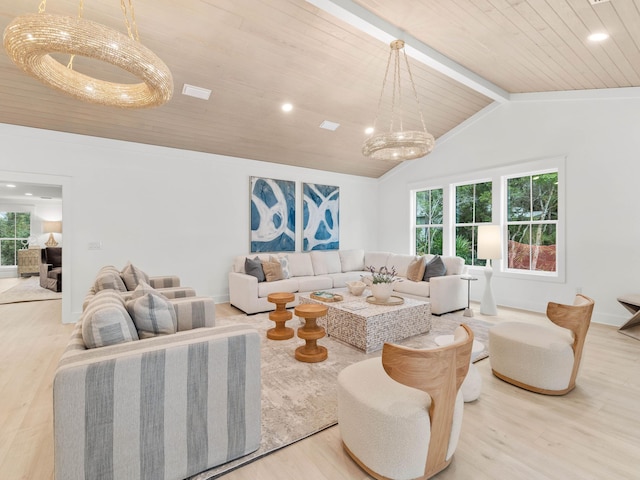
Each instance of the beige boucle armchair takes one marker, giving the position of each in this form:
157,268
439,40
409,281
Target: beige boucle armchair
542,358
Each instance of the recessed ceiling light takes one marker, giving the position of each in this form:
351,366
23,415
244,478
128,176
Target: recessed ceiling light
10,185
287,107
368,130
598,37
197,92
327,125
28,194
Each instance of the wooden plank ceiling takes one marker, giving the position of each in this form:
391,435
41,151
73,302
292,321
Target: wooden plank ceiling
257,54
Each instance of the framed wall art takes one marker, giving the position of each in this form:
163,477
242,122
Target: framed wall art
321,217
273,215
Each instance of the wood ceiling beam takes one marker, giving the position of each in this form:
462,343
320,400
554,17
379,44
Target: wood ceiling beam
367,22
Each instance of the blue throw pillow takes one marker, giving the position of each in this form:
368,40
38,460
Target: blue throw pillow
435,268
254,268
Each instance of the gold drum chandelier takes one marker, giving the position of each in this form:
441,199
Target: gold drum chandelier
31,39
398,144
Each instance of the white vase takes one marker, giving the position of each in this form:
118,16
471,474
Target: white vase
382,291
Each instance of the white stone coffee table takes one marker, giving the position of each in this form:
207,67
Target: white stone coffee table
367,326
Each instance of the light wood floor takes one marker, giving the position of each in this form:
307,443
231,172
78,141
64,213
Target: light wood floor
508,433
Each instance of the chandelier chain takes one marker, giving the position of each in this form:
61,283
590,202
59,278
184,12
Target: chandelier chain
415,92
132,27
384,82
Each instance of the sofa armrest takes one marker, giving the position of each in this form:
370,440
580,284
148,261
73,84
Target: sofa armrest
165,407
447,293
243,291
165,281
194,312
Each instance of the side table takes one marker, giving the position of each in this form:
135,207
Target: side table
632,303
469,278
280,315
311,332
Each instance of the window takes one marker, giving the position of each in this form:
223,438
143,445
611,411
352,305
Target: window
15,229
473,207
532,220
428,218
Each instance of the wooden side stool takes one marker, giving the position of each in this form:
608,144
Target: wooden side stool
280,315
310,332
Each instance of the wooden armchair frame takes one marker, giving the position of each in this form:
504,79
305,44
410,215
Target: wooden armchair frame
439,372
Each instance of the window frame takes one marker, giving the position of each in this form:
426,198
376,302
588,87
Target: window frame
474,224
15,238
414,215
498,177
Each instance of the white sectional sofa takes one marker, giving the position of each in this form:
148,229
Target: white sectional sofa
323,270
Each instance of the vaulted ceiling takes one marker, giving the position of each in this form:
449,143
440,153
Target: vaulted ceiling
327,58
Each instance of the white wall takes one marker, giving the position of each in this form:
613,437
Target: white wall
600,138
168,211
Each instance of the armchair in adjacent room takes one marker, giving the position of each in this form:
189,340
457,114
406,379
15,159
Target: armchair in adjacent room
51,268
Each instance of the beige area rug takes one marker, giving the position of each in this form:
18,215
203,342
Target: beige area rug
300,399
28,290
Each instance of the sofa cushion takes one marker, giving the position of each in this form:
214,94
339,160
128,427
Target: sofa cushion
132,275
106,322
415,270
420,289
352,260
400,262
272,270
325,262
152,313
454,265
284,264
253,267
300,264
289,285
434,268
109,280
375,259
314,282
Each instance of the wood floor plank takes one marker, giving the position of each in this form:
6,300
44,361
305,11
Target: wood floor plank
590,433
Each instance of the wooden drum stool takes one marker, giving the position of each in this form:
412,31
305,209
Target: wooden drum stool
280,316
310,332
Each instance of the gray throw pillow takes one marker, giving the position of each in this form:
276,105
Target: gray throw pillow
254,268
435,268
152,314
106,322
132,276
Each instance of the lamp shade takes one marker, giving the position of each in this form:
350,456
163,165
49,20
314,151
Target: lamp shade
52,227
489,242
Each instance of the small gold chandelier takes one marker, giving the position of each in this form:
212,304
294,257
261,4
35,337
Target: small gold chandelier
399,144
30,39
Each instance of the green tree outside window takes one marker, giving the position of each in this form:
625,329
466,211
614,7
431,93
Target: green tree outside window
532,217
428,216
15,228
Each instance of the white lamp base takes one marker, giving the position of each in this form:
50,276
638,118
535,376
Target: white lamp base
488,304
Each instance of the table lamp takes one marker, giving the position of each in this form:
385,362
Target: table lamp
489,248
51,228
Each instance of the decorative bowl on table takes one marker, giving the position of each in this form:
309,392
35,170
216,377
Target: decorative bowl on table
356,287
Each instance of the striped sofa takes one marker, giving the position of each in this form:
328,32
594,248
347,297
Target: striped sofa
166,407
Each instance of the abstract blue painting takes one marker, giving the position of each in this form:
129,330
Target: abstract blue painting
321,217
273,215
